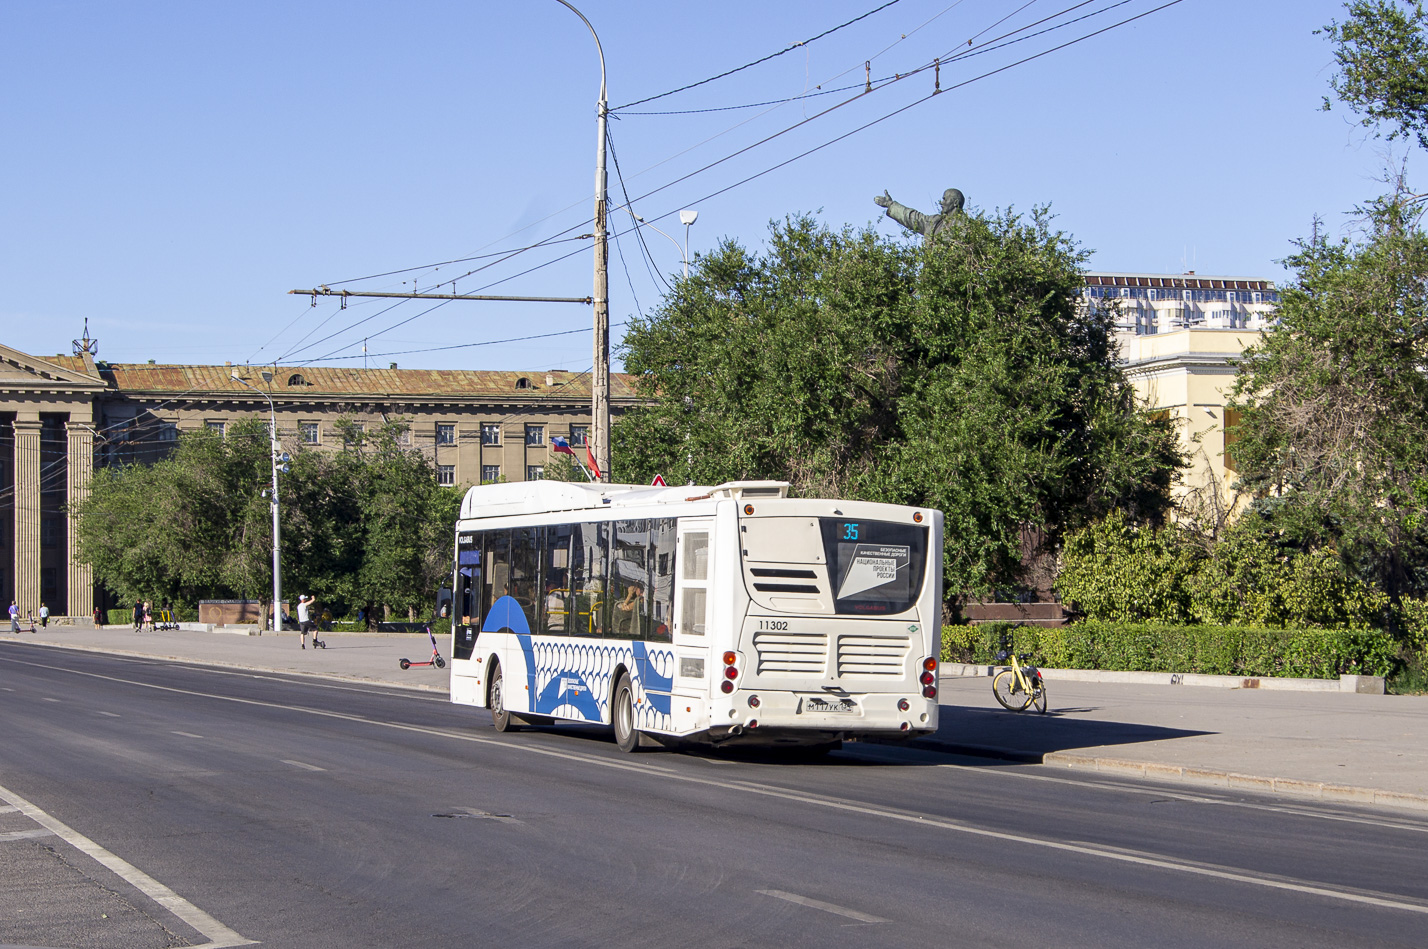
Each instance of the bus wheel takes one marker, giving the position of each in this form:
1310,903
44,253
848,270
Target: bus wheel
499,716
627,737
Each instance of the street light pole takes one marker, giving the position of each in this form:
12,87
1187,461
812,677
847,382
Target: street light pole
683,253
273,452
600,387
687,217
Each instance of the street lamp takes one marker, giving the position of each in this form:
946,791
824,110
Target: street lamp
687,217
274,453
683,251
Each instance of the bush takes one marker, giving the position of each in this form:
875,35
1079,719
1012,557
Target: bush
1211,650
1115,570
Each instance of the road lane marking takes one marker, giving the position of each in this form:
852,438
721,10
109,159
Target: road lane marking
1016,773
111,715
186,734
861,808
826,907
303,765
46,698
26,834
218,935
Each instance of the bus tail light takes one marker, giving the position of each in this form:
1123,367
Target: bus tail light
930,664
726,686
730,672
753,701
730,658
753,723
926,678
929,691
902,705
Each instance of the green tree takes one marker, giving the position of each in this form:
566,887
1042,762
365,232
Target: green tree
1382,52
1333,432
960,375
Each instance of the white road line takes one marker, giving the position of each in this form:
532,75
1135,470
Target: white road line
46,698
304,765
8,809
25,834
110,715
218,935
826,907
861,808
186,734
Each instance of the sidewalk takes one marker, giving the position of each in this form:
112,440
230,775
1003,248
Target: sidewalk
1333,746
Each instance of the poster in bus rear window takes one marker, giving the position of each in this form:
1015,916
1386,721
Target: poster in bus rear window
876,567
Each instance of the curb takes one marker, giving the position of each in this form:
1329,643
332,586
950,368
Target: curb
1211,777
1366,685
1179,774
330,676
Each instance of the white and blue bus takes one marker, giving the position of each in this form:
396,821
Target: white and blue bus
701,614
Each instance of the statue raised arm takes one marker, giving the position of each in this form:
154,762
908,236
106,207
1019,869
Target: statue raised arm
929,226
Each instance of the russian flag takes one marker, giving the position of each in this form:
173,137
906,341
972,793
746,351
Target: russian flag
562,446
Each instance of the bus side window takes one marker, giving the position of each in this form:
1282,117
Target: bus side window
556,604
466,616
497,567
588,556
661,569
629,580
525,570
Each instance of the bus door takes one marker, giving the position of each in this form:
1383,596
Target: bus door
692,605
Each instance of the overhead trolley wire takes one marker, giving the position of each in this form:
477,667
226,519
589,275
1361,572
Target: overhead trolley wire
832,141
756,62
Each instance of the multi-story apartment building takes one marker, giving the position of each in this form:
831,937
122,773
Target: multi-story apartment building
60,416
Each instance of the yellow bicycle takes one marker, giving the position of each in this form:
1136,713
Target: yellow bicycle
1019,687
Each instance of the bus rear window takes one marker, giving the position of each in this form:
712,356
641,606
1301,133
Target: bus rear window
876,567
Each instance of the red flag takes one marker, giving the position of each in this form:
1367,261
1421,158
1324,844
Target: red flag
591,457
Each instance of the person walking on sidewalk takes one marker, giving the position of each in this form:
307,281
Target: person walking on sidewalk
305,624
138,615
44,616
14,617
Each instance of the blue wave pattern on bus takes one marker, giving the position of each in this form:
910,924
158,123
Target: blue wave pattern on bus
577,673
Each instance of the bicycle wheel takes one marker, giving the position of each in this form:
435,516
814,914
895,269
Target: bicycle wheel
1038,695
1009,692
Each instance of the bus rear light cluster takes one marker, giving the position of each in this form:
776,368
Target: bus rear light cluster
731,672
929,677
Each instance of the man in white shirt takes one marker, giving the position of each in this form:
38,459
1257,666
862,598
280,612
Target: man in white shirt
305,623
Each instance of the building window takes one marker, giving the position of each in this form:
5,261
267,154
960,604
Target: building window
446,434
50,532
535,472
404,437
445,474
535,434
490,474
168,432
49,583
579,434
490,433
215,427
308,431
355,433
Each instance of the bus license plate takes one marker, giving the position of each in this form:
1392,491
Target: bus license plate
817,703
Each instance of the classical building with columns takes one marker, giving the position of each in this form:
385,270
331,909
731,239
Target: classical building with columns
60,416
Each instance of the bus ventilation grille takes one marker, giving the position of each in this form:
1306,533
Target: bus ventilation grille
863,655
801,654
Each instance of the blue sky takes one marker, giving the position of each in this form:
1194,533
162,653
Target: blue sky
172,169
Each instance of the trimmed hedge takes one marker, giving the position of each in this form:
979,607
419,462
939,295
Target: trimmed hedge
1210,650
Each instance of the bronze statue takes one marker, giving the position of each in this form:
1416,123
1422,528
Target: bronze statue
929,226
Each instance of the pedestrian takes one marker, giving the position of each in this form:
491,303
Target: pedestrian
148,616
304,620
138,615
44,616
14,617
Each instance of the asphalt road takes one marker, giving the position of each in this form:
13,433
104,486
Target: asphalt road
147,804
